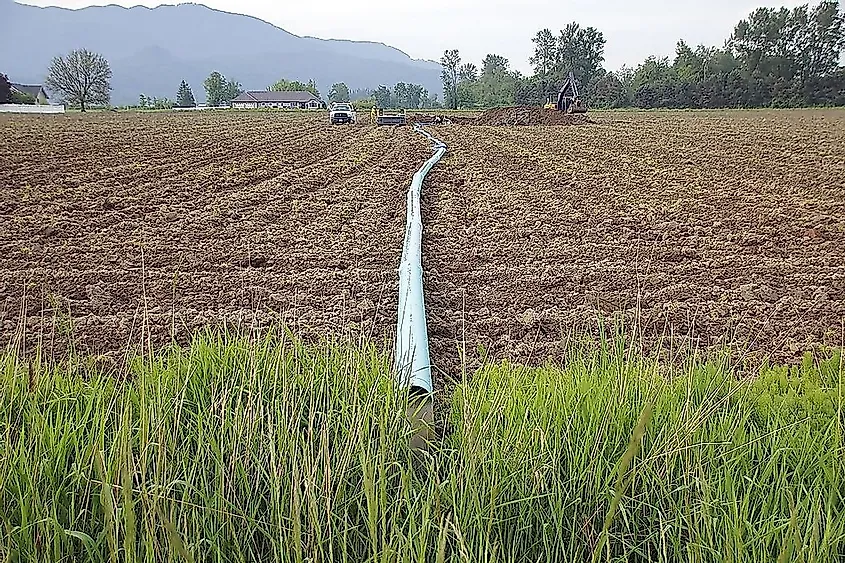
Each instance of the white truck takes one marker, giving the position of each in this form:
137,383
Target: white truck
342,113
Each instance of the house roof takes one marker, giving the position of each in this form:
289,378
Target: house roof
276,97
31,89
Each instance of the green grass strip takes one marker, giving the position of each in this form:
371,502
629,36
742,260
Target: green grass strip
272,450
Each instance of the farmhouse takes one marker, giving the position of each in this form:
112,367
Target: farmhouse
34,90
263,99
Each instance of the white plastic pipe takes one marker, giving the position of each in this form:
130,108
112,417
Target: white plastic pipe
413,365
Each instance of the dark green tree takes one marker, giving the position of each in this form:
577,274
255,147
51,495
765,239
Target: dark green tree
451,62
416,94
496,84
284,85
339,93
545,52
494,65
159,103
383,97
654,83
609,92
185,96
468,73
360,94
232,91
215,89
400,95
581,51
467,95
820,48
468,87
428,101
577,50
782,51
531,91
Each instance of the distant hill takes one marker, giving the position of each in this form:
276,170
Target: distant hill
152,49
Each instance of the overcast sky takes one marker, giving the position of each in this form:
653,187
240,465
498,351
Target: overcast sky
634,29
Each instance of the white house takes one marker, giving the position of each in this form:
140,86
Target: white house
34,90
291,100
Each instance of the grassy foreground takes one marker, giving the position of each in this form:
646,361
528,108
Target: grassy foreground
272,450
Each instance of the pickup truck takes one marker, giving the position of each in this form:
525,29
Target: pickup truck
341,113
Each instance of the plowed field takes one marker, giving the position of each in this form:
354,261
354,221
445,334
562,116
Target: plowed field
695,229
135,229
691,229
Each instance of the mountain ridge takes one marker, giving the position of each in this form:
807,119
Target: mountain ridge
243,47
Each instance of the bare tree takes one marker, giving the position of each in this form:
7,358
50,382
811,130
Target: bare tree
81,78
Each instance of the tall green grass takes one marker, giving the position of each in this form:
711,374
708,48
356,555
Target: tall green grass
237,450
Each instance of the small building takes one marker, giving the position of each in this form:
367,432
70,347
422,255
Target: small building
254,99
34,90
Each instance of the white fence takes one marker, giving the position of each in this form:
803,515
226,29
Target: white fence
25,108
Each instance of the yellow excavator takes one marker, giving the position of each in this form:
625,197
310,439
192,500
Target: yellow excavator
567,99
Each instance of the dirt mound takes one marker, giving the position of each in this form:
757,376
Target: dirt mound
520,115
432,119
426,119
525,115
463,120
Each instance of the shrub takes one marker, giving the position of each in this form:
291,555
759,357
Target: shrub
22,98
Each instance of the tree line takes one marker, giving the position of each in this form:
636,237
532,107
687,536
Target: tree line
401,95
774,57
220,91
83,79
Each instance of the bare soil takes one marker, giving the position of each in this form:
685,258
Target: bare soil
523,115
503,117
137,230
687,230
120,231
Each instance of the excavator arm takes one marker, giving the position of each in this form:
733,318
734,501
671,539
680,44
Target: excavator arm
568,100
